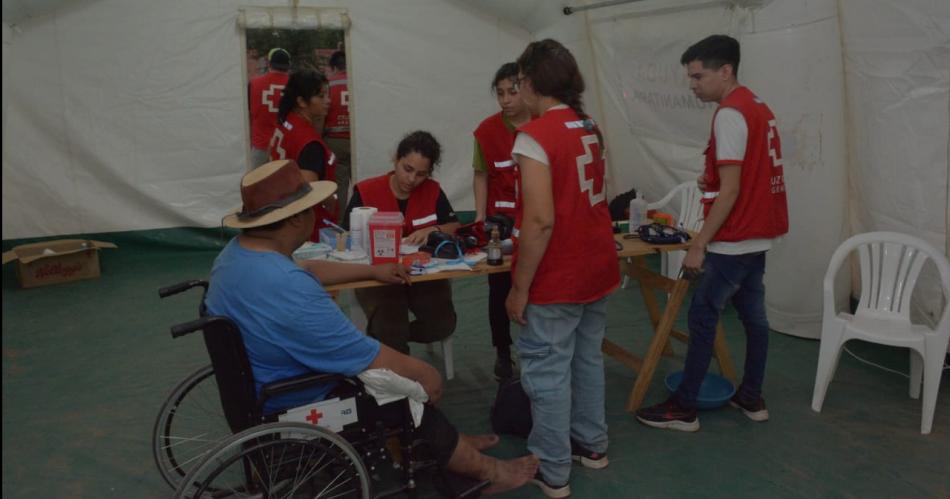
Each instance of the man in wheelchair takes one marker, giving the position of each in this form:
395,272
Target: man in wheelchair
291,326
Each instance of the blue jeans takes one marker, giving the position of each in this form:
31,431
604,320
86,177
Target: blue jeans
725,277
562,371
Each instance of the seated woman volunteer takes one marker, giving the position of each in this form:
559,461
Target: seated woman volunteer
303,106
425,207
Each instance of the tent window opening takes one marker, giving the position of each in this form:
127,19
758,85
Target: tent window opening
279,43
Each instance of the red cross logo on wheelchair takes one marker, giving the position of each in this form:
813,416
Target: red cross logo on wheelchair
314,416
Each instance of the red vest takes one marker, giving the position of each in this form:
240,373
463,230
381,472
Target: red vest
337,124
761,210
421,209
289,139
496,141
580,263
264,97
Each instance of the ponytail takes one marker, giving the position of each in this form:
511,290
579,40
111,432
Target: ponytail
554,73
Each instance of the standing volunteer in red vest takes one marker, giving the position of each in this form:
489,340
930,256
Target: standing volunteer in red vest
745,211
495,193
263,97
564,266
409,189
336,128
304,105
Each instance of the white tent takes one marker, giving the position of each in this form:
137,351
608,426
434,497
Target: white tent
128,115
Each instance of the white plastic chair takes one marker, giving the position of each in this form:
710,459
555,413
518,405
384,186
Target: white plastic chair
890,264
690,217
358,317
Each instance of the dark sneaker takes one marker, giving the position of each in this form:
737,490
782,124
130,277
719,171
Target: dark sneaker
504,369
755,411
587,458
669,415
553,491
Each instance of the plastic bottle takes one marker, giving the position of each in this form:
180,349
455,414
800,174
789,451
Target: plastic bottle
638,213
493,248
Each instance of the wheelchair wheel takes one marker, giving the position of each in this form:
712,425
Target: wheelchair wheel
280,460
190,424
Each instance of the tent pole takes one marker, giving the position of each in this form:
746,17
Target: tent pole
570,10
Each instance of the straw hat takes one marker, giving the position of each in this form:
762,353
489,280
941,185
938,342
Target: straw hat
275,191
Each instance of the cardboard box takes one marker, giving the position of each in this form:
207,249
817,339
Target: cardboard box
53,262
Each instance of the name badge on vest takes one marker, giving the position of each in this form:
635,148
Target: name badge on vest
505,204
500,165
424,220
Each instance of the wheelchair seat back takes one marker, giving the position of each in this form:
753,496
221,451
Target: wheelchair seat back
232,371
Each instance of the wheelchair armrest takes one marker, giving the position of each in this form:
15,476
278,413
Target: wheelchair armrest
174,289
297,383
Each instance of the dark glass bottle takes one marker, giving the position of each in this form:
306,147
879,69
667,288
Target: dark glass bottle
493,248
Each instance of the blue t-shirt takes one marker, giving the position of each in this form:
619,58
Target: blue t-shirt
289,323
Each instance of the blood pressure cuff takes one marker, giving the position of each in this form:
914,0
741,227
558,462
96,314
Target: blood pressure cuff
444,245
662,234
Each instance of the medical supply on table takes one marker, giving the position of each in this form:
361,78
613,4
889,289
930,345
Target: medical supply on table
335,226
494,248
310,250
662,218
359,227
638,212
333,238
385,236
419,257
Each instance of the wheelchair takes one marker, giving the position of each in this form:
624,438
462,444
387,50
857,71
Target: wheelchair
212,439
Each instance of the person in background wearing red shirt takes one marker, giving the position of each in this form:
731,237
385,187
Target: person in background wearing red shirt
336,128
495,193
263,96
410,190
303,106
564,266
745,211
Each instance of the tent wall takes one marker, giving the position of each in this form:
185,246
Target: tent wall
897,68
124,115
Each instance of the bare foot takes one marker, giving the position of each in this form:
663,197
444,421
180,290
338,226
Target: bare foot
513,473
480,442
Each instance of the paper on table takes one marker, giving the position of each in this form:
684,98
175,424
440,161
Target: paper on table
408,249
349,255
439,267
473,258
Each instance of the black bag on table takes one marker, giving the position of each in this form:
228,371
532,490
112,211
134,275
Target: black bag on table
619,206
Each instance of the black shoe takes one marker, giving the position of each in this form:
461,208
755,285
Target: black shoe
588,458
669,415
756,411
504,369
553,491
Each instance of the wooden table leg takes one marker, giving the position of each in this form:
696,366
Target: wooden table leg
637,270
660,338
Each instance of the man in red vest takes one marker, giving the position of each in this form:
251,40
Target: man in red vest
745,212
263,97
336,128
